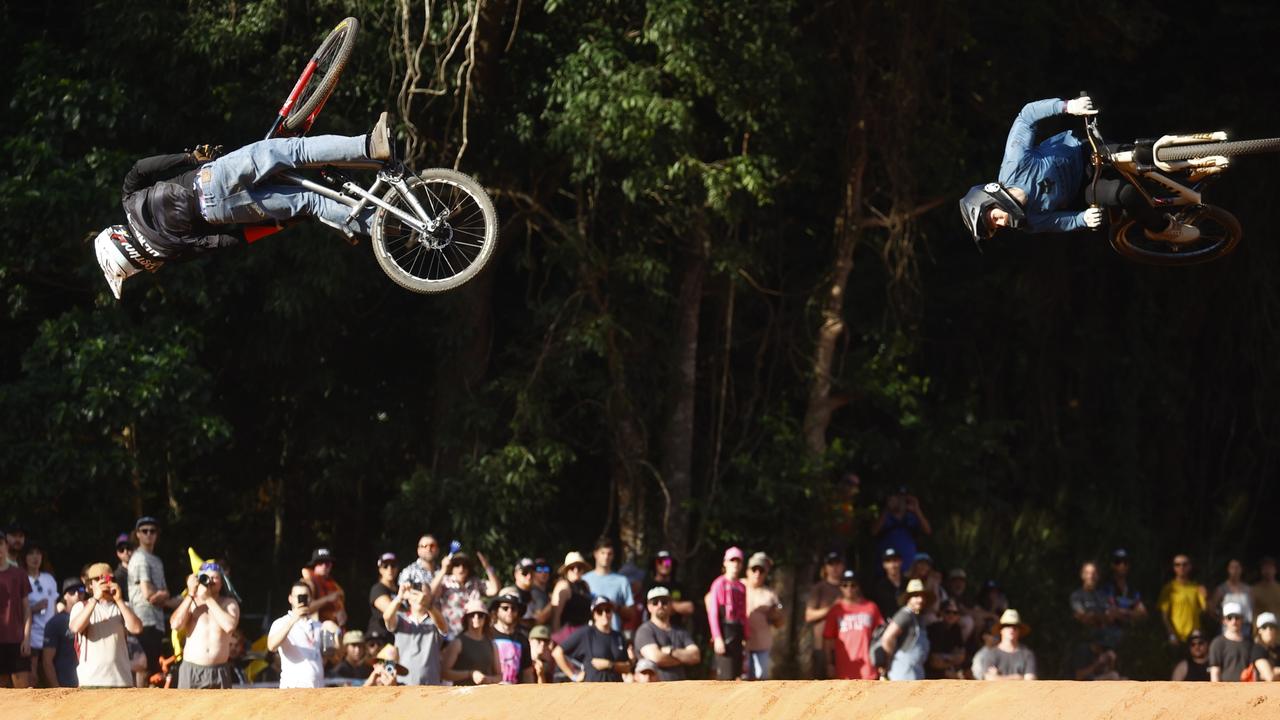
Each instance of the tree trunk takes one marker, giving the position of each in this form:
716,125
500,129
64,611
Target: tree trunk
677,438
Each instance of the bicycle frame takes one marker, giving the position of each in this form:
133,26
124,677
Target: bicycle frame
358,198
1127,163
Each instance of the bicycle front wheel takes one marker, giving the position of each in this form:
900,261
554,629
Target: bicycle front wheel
330,60
455,248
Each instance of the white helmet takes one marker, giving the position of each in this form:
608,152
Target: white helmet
112,246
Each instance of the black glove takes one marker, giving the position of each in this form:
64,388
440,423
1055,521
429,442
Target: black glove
206,153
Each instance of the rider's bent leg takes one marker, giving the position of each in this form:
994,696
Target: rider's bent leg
1117,192
281,202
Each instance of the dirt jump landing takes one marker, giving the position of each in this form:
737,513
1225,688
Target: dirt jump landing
953,700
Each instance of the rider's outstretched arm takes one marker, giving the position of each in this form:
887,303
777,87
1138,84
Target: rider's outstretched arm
1023,133
150,170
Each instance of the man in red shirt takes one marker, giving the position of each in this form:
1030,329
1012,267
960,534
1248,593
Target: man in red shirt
847,636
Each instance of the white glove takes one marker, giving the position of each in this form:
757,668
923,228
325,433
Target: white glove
1093,218
1081,106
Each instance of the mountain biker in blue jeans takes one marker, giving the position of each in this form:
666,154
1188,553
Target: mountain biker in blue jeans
177,206
1040,185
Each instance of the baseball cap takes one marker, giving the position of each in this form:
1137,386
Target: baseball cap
98,570
146,520
540,632
474,606
526,565
599,601
15,528
320,555
353,637
734,552
1119,554
658,592
1267,618
388,557
760,560
122,539
74,582
507,595
922,557
848,576
833,556
541,565
646,665
957,573
1195,635
1232,608
890,554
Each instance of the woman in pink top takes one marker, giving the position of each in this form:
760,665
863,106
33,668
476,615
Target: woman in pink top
727,615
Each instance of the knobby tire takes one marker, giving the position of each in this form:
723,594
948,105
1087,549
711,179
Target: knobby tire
1226,149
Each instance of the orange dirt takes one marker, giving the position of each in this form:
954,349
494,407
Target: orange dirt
953,700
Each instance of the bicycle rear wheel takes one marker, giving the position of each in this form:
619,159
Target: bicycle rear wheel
1219,234
321,75
454,251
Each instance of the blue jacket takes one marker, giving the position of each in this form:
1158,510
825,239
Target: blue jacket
1051,173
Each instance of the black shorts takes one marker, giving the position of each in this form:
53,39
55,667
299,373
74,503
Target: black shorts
11,659
152,639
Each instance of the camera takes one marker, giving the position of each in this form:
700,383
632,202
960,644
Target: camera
303,598
415,585
203,579
390,667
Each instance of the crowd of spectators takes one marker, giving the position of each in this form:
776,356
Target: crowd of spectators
447,618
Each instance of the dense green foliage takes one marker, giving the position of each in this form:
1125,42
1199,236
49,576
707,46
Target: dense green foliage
669,173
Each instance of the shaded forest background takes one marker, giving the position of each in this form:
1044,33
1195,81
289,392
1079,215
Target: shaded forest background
730,276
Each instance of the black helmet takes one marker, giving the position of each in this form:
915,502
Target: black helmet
981,198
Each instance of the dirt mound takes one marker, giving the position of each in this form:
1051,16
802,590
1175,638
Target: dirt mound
954,700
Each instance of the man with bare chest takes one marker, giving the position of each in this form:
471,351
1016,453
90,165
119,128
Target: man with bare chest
208,615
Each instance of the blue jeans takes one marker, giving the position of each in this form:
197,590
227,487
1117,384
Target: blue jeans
758,664
236,188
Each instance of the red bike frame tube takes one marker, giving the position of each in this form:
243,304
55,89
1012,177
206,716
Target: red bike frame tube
307,72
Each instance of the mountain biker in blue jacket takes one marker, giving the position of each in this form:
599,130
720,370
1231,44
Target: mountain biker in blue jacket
177,206
1040,185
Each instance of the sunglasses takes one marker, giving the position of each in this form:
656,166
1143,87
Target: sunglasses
660,601
428,545
506,608
543,569
1233,618
148,531
603,611
388,565
755,569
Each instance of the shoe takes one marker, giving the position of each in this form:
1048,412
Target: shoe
1176,233
380,140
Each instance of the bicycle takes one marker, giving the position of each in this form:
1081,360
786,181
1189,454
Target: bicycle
432,231
1172,173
